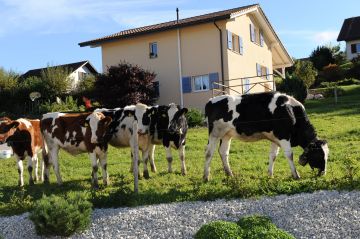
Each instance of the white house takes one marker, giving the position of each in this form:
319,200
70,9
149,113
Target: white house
350,33
79,70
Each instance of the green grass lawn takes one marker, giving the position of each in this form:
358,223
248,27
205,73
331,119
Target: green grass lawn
337,123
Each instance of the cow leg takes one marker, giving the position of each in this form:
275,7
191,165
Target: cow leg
169,158
151,156
54,155
145,158
209,152
30,170
94,164
182,159
289,155
103,162
274,151
35,161
20,167
224,154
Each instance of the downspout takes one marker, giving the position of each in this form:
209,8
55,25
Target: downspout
221,57
179,60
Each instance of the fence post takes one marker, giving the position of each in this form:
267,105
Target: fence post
136,157
335,94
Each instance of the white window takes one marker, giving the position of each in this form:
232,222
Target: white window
355,48
153,50
262,71
235,43
201,83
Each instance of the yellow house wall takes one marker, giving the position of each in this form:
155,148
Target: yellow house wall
245,65
136,51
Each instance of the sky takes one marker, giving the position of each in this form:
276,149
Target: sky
38,33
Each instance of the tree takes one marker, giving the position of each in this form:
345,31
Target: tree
56,82
123,85
293,86
321,57
305,71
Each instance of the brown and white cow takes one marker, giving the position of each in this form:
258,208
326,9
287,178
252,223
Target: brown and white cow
24,137
75,133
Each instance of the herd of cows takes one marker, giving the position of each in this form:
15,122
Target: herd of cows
276,117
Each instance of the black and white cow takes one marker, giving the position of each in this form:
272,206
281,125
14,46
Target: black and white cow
273,116
167,126
120,131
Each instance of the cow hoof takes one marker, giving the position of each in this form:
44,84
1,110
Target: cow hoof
146,174
183,173
205,179
31,182
296,177
95,186
21,184
153,170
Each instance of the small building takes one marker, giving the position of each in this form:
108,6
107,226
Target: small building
350,33
235,51
78,71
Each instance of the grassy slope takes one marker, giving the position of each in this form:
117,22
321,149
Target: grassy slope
339,124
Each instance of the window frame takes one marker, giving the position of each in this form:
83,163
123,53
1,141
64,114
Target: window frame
235,43
151,50
193,78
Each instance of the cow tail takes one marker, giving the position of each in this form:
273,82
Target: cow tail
45,157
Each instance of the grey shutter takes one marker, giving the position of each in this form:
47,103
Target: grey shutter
267,74
186,84
214,77
252,32
261,39
241,46
258,69
229,40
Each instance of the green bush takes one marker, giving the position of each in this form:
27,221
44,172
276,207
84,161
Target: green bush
293,86
61,216
68,105
194,117
219,230
250,227
254,227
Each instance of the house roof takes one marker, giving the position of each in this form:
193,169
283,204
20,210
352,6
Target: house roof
350,29
210,17
71,67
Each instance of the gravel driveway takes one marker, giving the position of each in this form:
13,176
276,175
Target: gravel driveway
323,214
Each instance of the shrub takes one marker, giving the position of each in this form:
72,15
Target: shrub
329,91
219,230
305,71
321,57
195,117
56,215
293,86
123,85
56,82
254,227
332,73
68,105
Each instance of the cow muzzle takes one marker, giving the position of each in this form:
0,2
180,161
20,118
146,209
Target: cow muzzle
303,160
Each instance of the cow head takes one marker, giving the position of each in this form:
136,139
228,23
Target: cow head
98,124
316,154
177,120
144,115
7,128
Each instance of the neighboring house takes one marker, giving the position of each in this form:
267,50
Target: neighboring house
189,55
350,33
78,71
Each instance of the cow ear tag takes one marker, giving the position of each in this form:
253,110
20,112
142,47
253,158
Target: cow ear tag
163,115
86,124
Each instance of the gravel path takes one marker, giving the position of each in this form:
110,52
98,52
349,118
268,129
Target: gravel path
323,214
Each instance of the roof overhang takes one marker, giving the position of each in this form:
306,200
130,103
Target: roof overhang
281,57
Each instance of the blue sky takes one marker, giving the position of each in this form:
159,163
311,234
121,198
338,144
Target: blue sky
37,33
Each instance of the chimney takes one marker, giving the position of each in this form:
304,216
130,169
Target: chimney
177,15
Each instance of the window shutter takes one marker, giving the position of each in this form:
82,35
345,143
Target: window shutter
214,77
186,84
241,46
229,39
353,48
258,69
267,73
156,88
252,32
261,39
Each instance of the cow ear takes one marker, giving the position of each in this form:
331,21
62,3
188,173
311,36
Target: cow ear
14,125
184,110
